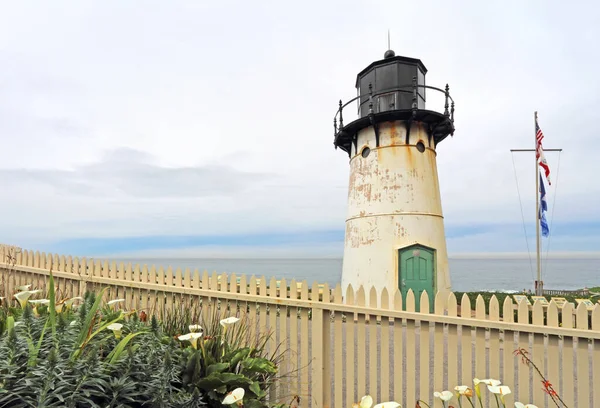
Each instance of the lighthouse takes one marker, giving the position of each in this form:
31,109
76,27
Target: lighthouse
394,225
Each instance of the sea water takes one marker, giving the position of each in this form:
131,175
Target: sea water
466,274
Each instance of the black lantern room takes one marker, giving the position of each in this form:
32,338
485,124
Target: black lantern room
392,89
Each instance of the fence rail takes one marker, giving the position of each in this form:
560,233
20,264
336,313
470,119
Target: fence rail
339,348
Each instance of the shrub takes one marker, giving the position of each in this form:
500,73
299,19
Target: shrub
101,356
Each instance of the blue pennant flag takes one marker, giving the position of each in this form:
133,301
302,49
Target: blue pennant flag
543,208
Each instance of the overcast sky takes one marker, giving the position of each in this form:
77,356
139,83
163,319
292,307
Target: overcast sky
206,128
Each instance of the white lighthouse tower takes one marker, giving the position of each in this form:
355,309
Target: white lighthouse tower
394,227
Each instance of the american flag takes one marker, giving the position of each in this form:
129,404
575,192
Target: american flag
539,151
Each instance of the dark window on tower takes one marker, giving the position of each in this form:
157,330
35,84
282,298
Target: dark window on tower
386,102
421,81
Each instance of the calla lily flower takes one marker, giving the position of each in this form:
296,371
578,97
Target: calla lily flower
234,397
23,287
521,405
501,390
24,296
444,395
114,301
195,328
463,390
389,404
491,381
366,401
116,328
68,303
40,301
73,323
230,320
192,338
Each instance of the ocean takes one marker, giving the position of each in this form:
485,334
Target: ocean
466,274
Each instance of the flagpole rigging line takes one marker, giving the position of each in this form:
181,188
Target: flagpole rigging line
552,213
522,215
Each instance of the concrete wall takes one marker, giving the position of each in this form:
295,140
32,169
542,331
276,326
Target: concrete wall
393,202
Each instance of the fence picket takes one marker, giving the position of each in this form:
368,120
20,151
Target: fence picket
303,339
372,329
338,396
595,365
424,346
466,345
453,373
283,339
351,394
439,374
538,349
583,358
295,385
384,385
398,369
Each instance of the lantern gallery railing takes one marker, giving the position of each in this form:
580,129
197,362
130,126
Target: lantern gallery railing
338,120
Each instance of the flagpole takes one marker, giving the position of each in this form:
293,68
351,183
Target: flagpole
538,289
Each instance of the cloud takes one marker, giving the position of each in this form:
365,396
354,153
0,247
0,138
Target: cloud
131,173
116,124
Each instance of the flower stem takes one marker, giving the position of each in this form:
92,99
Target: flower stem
548,388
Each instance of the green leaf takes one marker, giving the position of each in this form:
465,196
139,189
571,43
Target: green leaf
253,403
216,380
83,337
114,355
239,356
34,351
259,365
217,368
255,388
10,323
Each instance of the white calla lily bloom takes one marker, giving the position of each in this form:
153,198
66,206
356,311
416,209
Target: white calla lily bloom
521,405
234,397
40,301
491,381
69,302
23,287
116,328
228,321
444,395
389,404
24,296
114,301
461,389
366,401
499,389
191,337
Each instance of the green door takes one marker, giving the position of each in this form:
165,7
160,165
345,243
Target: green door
416,271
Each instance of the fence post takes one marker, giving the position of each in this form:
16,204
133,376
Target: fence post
319,383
